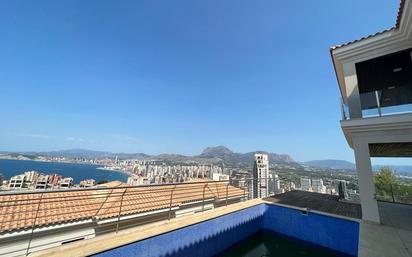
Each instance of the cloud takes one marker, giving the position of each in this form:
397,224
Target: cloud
124,138
38,136
75,139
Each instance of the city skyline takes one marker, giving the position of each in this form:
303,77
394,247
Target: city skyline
175,79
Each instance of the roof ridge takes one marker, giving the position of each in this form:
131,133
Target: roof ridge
397,24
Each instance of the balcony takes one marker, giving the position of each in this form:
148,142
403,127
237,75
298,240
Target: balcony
386,102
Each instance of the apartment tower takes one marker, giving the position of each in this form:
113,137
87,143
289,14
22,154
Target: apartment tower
260,183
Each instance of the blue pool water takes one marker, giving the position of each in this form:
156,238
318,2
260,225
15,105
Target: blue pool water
212,237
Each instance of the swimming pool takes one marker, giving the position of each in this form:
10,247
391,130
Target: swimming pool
268,243
214,236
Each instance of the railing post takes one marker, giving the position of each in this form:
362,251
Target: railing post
342,109
203,198
227,189
244,191
171,200
120,211
34,224
393,197
378,104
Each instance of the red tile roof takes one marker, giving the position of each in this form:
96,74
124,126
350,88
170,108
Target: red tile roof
397,24
23,211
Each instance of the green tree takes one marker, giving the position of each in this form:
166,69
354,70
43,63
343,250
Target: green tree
386,184
386,176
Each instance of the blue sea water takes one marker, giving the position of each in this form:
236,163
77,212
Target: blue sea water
77,171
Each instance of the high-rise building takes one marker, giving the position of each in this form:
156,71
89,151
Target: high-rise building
343,194
318,186
305,184
260,182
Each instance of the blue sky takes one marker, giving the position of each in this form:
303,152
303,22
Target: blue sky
177,76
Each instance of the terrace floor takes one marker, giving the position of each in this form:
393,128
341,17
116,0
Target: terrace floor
392,238
319,202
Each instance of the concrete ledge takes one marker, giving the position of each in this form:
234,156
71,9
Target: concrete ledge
127,236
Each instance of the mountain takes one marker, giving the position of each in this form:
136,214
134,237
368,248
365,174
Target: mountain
331,164
400,169
77,153
217,151
218,155
229,157
345,165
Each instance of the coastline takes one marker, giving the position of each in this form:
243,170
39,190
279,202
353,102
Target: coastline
93,168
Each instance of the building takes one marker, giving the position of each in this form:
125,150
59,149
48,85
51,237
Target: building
54,179
87,183
260,188
318,186
31,176
374,75
239,180
274,184
42,182
342,191
137,180
18,181
66,182
220,177
305,184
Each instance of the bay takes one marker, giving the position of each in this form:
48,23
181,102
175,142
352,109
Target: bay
77,171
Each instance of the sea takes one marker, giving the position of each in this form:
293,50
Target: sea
77,171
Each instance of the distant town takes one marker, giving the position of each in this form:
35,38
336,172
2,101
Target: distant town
280,177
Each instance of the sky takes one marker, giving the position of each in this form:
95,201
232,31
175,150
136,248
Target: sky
178,76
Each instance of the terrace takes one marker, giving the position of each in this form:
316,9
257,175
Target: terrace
205,218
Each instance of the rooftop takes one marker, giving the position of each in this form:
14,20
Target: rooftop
27,210
319,202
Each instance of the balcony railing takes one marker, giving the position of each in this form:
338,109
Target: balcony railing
389,101
109,208
396,193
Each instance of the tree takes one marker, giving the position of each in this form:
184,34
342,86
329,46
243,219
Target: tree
386,176
385,181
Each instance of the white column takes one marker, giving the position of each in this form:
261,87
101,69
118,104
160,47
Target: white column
369,204
352,91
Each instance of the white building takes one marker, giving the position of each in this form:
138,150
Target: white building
375,80
260,188
220,177
66,182
317,186
42,182
31,176
136,180
305,184
274,184
87,183
18,181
